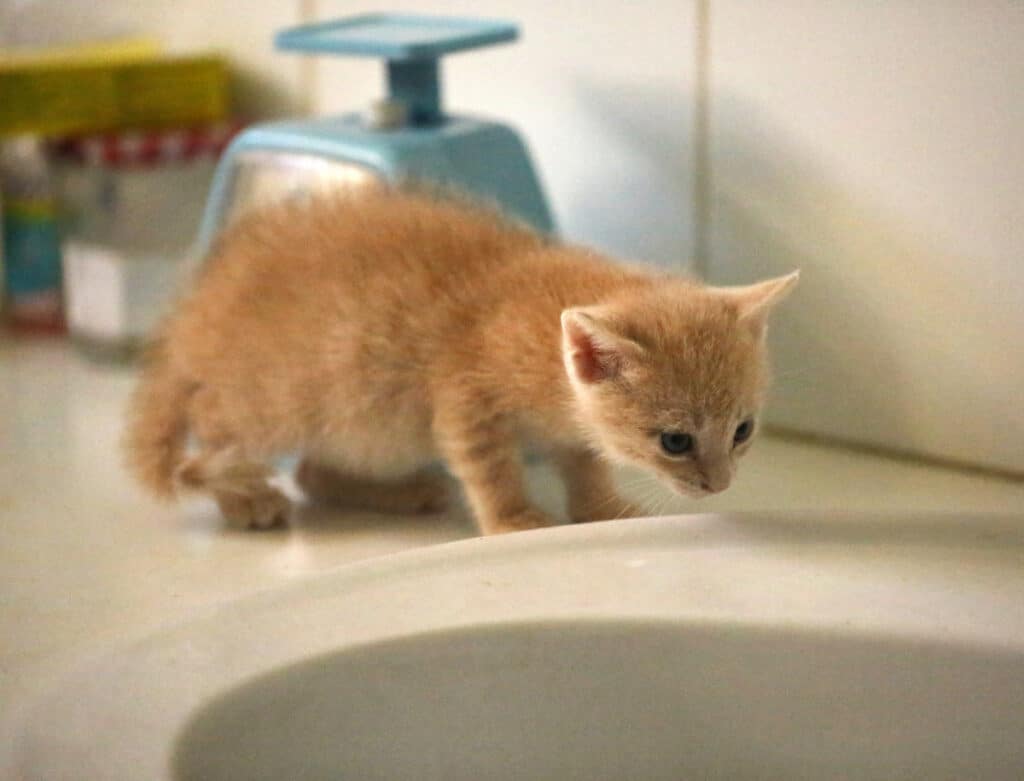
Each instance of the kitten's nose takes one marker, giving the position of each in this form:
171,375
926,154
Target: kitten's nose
714,488
715,480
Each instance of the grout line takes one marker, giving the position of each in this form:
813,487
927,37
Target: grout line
309,81
909,457
701,140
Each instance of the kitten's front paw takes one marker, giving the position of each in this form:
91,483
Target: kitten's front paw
426,495
264,508
527,519
609,510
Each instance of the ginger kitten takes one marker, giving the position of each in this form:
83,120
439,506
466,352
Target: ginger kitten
379,333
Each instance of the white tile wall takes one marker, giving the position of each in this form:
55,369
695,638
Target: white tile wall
878,147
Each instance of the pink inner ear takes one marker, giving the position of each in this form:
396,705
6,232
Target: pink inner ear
590,362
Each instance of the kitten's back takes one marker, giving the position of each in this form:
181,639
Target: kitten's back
352,259
308,320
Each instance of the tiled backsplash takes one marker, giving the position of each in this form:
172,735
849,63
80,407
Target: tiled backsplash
877,145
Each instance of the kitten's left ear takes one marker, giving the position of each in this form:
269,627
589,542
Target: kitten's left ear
755,302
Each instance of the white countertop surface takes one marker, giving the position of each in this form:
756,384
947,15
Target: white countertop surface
87,560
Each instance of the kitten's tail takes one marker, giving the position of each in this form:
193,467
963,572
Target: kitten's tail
157,427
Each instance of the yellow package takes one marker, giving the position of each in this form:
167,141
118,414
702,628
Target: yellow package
102,87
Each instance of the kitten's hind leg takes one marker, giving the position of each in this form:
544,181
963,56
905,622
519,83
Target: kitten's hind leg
425,491
240,487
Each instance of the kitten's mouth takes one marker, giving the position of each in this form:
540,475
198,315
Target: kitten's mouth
689,490
695,492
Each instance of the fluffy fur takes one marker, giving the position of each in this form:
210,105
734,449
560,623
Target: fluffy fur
380,333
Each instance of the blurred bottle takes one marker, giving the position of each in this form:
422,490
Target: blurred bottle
2,294
31,245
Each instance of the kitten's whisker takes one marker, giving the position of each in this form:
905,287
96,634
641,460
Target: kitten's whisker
665,501
633,487
654,497
650,503
638,481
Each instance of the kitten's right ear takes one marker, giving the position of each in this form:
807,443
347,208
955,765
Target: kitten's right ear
592,349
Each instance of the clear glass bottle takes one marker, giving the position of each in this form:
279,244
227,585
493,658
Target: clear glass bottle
131,202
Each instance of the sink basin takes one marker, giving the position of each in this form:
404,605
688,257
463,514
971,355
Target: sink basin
726,647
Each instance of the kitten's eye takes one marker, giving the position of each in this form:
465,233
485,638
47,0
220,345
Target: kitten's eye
674,443
743,432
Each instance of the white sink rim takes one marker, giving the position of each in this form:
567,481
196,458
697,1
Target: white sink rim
847,575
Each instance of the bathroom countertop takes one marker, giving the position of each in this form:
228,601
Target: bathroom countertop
87,559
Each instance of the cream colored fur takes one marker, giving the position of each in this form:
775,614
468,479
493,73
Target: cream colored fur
380,333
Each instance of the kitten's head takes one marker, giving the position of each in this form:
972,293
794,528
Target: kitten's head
673,379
